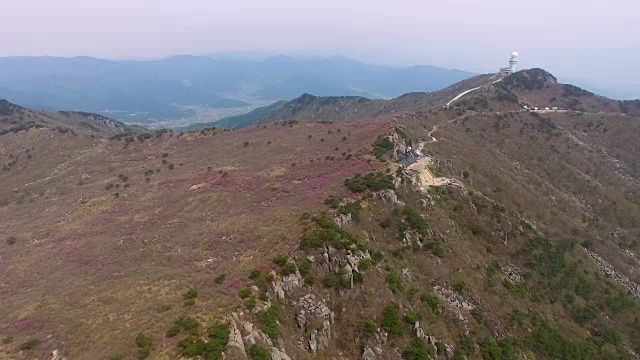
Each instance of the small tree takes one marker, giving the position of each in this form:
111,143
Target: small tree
258,352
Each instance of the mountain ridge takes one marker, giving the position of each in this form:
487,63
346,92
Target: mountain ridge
478,230
309,107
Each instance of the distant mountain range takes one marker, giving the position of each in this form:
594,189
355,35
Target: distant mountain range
160,89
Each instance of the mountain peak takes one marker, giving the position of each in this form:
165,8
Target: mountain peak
530,79
7,108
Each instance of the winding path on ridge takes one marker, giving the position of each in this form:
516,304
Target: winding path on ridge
471,90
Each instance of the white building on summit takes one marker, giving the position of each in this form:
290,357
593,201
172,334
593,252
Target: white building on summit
513,65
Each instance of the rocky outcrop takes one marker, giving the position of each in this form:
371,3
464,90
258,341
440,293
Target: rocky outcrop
277,354
55,355
281,285
335,260
512,274
388,196
244,334
319,339
431,341
456,302
277,286
342,220
235,347
313,312
611,273
369,354
292,281
411,238
427,202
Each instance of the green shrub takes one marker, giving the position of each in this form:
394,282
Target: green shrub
376,256
326,231
466,346
7,340
191,347
552,344
547,259
381,147
460,287
220,278
173,330
432,302
219,331
269,319
190,294
29,344
212,349
260,281
257,352
516,289
171,166
610,336
394,281
418,350
370,182
358,278
364,264
244,293
190,302
186,324
218,339
251,303
412,318
478,314
309,280
332,202
305,268
353,208
368,328
437,248
330,280
281,260
11,240
477,230
143,343
255,274
391,322
490,350
415,220
289,268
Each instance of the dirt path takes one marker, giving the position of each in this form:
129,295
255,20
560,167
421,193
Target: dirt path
471,90
427,179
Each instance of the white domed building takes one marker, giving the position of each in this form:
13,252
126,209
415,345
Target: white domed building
513,65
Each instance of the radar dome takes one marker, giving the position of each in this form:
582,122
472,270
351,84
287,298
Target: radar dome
514,54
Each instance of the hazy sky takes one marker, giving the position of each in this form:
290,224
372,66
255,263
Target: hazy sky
475,35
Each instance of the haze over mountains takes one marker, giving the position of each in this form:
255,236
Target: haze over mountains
186,86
